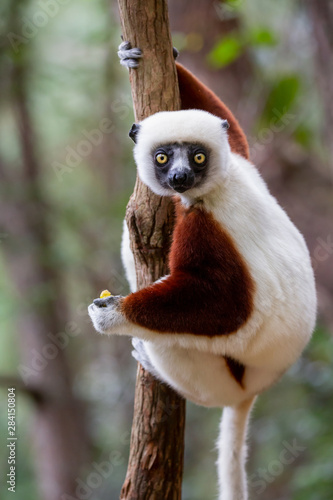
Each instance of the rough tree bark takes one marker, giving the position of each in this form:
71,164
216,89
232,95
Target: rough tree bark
157,442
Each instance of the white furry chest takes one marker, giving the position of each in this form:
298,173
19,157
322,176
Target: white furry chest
279,263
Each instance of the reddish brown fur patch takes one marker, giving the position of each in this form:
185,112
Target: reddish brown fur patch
209,291
236,369
195,95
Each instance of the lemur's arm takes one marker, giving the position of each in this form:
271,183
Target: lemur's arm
195,95
208,293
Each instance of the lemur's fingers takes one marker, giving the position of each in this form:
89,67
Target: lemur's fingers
137,343
139,352
129,57
144,362
112,299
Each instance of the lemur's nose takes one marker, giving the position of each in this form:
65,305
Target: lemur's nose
179,178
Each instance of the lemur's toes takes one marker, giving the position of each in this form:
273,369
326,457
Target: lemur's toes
135,355
136,343
129,57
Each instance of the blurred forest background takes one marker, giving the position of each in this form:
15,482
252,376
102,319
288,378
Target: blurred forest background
66,173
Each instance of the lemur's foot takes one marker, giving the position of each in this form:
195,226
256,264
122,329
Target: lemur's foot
129,57
140,354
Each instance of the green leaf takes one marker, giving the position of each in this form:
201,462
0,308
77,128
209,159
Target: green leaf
281,97
225,52
262,36
303,136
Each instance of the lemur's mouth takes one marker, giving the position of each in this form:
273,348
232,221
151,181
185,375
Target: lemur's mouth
181,189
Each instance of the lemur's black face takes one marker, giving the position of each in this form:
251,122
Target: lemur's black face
180,166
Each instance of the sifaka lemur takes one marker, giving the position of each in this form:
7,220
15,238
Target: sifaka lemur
239,304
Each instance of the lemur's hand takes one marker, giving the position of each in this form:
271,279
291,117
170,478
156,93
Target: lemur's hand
106,314
129,57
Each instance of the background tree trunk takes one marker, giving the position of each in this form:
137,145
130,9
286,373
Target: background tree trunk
157,442
59,437
321,16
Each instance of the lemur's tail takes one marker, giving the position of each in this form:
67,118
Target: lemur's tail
232,451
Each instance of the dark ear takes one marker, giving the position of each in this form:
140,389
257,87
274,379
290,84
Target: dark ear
225,124
134,132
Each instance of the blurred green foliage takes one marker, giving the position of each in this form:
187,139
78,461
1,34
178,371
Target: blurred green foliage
281,97
226,51
262,36
232,46
284,68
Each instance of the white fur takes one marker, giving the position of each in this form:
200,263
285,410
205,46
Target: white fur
232,452
284,303
110,316
285,300
182,126
127,258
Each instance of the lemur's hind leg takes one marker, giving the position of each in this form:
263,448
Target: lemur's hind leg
140,354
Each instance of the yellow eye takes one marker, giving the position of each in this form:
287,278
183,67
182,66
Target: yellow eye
199,158
161,158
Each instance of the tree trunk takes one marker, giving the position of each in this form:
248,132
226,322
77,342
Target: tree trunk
157,442
321,17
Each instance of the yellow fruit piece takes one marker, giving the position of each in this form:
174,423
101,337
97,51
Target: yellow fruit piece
104,294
